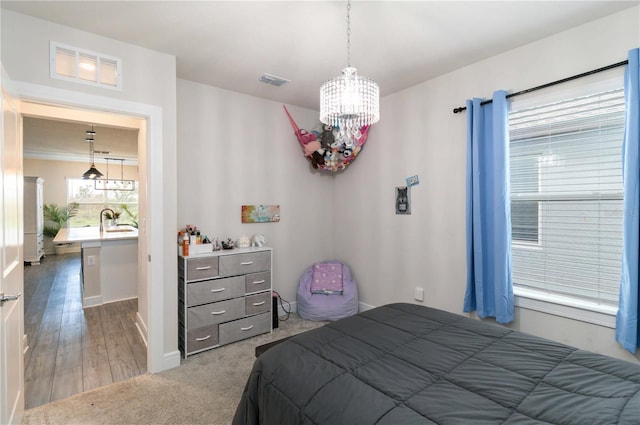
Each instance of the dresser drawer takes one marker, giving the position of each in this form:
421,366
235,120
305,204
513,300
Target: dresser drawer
202,268
258,303
250,262
201,338
208,291
244,328
257,282
219,312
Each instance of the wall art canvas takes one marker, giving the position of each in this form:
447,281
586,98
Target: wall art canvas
260,213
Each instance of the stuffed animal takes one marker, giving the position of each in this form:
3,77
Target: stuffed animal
312,149
243,241
326,137
258,240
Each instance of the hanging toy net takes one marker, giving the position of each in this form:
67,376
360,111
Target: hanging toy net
329,149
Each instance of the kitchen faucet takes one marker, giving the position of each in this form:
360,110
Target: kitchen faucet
102,212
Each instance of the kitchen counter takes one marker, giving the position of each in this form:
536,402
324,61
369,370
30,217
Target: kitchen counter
93,234
109,270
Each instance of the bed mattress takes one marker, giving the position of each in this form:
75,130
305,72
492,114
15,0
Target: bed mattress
408,364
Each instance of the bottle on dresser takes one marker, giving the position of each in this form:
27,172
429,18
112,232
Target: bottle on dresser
185,245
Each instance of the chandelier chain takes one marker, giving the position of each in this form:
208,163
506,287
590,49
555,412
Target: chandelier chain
349,33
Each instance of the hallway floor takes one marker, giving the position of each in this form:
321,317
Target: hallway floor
72,350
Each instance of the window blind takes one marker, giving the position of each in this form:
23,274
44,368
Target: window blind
566,189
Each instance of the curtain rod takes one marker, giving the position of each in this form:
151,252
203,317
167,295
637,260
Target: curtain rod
544,86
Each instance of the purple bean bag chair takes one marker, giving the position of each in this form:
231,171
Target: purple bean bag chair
327,292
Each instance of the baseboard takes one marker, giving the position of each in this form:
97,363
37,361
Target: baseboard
361,307
364,307
120,300
171,360
292,305
142,328
92,301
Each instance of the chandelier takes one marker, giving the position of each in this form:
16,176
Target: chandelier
349,102
92,173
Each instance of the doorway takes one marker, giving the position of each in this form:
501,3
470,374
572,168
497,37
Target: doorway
71,349
157,316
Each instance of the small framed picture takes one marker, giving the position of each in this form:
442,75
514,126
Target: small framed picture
260,213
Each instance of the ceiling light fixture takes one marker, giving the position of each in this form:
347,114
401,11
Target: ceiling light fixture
115,184
349,101
92,173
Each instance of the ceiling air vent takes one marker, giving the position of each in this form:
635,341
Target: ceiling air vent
273,80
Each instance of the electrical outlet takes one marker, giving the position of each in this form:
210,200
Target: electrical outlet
91,260
418,294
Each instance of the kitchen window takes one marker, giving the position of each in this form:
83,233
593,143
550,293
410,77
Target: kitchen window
92,201
566,198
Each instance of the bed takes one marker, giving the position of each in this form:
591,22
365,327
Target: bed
408,364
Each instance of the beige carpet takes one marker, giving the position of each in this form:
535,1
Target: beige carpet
205,389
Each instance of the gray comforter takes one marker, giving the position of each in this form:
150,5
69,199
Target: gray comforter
408,364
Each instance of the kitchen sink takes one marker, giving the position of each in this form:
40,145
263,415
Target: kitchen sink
119,229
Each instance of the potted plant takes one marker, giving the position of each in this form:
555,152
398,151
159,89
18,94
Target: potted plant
54,218
112,219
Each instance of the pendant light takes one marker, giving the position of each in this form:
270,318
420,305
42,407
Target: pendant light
92,173
115,184
349,101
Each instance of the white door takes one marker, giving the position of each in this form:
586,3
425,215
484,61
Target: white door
11,263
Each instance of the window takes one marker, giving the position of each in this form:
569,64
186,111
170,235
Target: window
92,201
566,189
82,66
525,223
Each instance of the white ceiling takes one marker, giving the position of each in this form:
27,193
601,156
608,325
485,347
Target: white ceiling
65,140
230,44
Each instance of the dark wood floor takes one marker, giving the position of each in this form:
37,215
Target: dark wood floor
72,350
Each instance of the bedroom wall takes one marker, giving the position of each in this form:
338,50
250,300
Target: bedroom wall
149,86
418,134
239,150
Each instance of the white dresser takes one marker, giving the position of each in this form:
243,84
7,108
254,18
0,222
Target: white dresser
33,220
223,297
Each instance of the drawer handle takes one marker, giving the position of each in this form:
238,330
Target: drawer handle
204,338
218,290
203,268
247,328
246,263
260,303
217,313
258,282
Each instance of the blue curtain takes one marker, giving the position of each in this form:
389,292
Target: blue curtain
627,329
489,284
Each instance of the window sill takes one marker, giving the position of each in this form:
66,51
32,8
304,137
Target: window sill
570,308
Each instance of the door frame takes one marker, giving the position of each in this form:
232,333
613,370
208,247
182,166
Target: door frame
153,226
